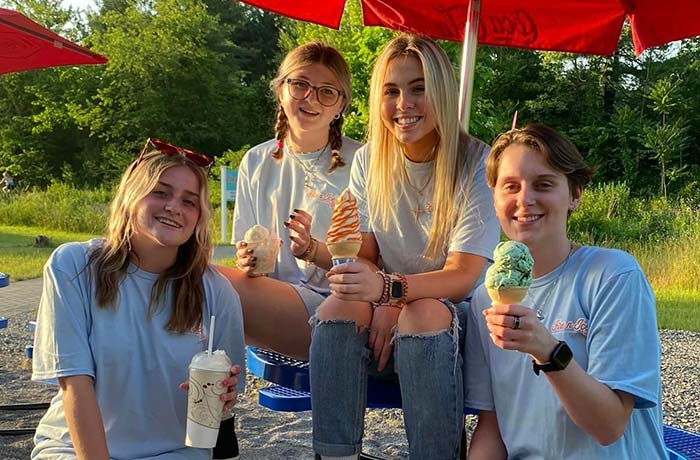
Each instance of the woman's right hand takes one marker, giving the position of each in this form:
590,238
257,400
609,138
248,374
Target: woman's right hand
245,259
384,320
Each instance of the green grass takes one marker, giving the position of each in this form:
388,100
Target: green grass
671,267
20,259
678,309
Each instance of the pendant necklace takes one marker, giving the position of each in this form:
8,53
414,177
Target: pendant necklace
309,173
538,310
420,209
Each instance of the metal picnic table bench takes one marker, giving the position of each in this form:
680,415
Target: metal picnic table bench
289,391
4,282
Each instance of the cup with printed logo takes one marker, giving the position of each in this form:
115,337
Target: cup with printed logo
204,404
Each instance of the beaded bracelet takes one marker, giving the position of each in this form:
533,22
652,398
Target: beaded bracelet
307,255
385,290
399,305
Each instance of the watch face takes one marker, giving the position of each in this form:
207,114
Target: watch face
562,355
396,289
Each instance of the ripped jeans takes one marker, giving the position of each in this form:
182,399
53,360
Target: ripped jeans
429,369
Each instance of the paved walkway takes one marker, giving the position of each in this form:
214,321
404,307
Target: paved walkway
23,296
20,296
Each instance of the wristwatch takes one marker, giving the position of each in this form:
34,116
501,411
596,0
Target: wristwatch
558,360
397,288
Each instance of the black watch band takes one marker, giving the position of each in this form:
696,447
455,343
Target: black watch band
560,358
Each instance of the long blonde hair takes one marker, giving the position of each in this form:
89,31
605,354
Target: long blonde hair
302,56
110,262
453,153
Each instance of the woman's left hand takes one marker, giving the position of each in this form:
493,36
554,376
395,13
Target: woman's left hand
299,226
516,327
231,396
355,281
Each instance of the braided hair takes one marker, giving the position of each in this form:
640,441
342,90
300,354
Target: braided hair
335,138
281,128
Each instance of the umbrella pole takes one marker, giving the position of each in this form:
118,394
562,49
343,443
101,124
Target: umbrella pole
466,77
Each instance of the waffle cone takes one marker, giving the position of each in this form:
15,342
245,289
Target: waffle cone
508,295
344,249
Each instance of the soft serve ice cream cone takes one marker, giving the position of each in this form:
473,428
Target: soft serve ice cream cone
510,276
343,238
266,248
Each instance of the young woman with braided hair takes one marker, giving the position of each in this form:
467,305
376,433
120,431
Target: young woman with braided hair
281,184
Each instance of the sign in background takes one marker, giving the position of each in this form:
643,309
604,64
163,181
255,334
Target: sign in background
228,193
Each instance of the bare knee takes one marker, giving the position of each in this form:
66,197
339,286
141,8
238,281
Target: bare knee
424,315
334,308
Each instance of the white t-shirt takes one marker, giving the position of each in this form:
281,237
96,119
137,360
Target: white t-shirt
136,364
403,242
269,190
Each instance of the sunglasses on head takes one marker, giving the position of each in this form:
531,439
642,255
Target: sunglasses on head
166,148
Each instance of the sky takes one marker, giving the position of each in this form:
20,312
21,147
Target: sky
79,3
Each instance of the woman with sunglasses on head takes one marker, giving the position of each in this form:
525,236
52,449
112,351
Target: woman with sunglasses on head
121,317
282,183
427,215
574,372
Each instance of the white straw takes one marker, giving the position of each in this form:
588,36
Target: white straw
211,334
273,223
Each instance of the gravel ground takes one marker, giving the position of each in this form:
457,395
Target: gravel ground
267,435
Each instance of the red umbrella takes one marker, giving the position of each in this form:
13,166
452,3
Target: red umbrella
25,45
578,26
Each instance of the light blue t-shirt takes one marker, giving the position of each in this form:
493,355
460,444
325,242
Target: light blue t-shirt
604,308
136,364
403,241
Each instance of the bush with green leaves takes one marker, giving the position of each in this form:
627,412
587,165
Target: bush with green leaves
610,216
59,207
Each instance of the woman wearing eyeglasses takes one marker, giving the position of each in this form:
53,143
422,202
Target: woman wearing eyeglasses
282,183
121,317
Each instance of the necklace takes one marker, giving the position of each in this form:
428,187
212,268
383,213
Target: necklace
309,171
420,208
538,310
420,191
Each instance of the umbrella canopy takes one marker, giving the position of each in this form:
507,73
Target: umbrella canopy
25,45
577,26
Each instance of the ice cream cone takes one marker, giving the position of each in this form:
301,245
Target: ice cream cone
343,238
507,295
344,250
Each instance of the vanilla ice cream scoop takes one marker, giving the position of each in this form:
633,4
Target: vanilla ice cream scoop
256,233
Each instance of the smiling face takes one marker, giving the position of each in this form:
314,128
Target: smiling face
167,216
532,199
405,109
308,117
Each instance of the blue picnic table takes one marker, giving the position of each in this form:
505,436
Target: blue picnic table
4,281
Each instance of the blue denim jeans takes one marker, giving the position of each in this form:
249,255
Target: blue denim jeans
429,368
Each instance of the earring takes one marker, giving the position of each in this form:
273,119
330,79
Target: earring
337,116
